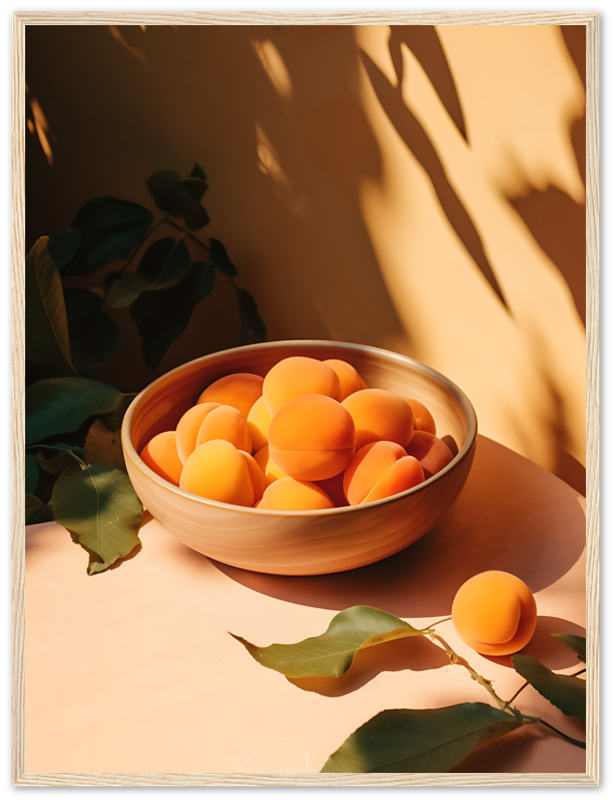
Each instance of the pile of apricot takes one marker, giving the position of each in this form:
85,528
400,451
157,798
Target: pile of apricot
309,435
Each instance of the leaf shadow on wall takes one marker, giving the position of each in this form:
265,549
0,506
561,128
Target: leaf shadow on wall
557,221
417,141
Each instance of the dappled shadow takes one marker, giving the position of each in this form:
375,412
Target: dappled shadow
416,139
555,220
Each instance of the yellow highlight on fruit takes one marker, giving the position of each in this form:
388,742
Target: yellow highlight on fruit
494,612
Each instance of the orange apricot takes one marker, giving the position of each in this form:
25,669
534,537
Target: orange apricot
258,421
378,470
348,376
379,415
432,453
297,376
188,427
312,438
269,469
287,494
422,418
160,455
494,612
239,390
218,471
225,422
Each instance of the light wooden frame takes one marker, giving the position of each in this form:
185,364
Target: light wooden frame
591,21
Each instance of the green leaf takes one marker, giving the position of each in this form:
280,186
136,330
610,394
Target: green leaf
195,215
180,198
32,474
576,643
166,262
55,459
165,188
63,245
101,511
252,327
37,511
332,653
565,691
109,228
103,447
47,338
174,307
220,260
61,405
429,740
96,338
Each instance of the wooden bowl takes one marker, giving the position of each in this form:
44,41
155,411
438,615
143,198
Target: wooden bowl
299,542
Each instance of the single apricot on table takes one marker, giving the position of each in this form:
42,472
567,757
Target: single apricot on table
160,455
218,471
240,390
312,438
494,613
287,494
297,376
380,416
378,470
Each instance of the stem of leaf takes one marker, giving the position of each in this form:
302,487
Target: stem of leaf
454,658
81,463
185,233
138,247
576,742
521,689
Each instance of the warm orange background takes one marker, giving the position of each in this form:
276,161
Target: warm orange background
374,185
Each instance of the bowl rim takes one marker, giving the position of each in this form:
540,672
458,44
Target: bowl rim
130,450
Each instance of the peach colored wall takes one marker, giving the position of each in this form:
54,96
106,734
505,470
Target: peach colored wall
415,188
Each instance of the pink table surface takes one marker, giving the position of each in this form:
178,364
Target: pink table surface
134,670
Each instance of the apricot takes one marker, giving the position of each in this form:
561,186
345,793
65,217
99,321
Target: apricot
218,471
451,444
379,415
239,390
297,376
258,421
225,422
432,453
287,494
188,427
312,438
269,469
160,455
494,612
422,418
349,379
378,470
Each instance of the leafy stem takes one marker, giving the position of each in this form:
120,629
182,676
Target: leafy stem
185,233
576,742
138,247
454,658
58,450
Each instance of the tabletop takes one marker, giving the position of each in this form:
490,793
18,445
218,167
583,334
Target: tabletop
135,670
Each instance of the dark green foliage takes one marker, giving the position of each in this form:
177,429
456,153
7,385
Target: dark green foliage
73,422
